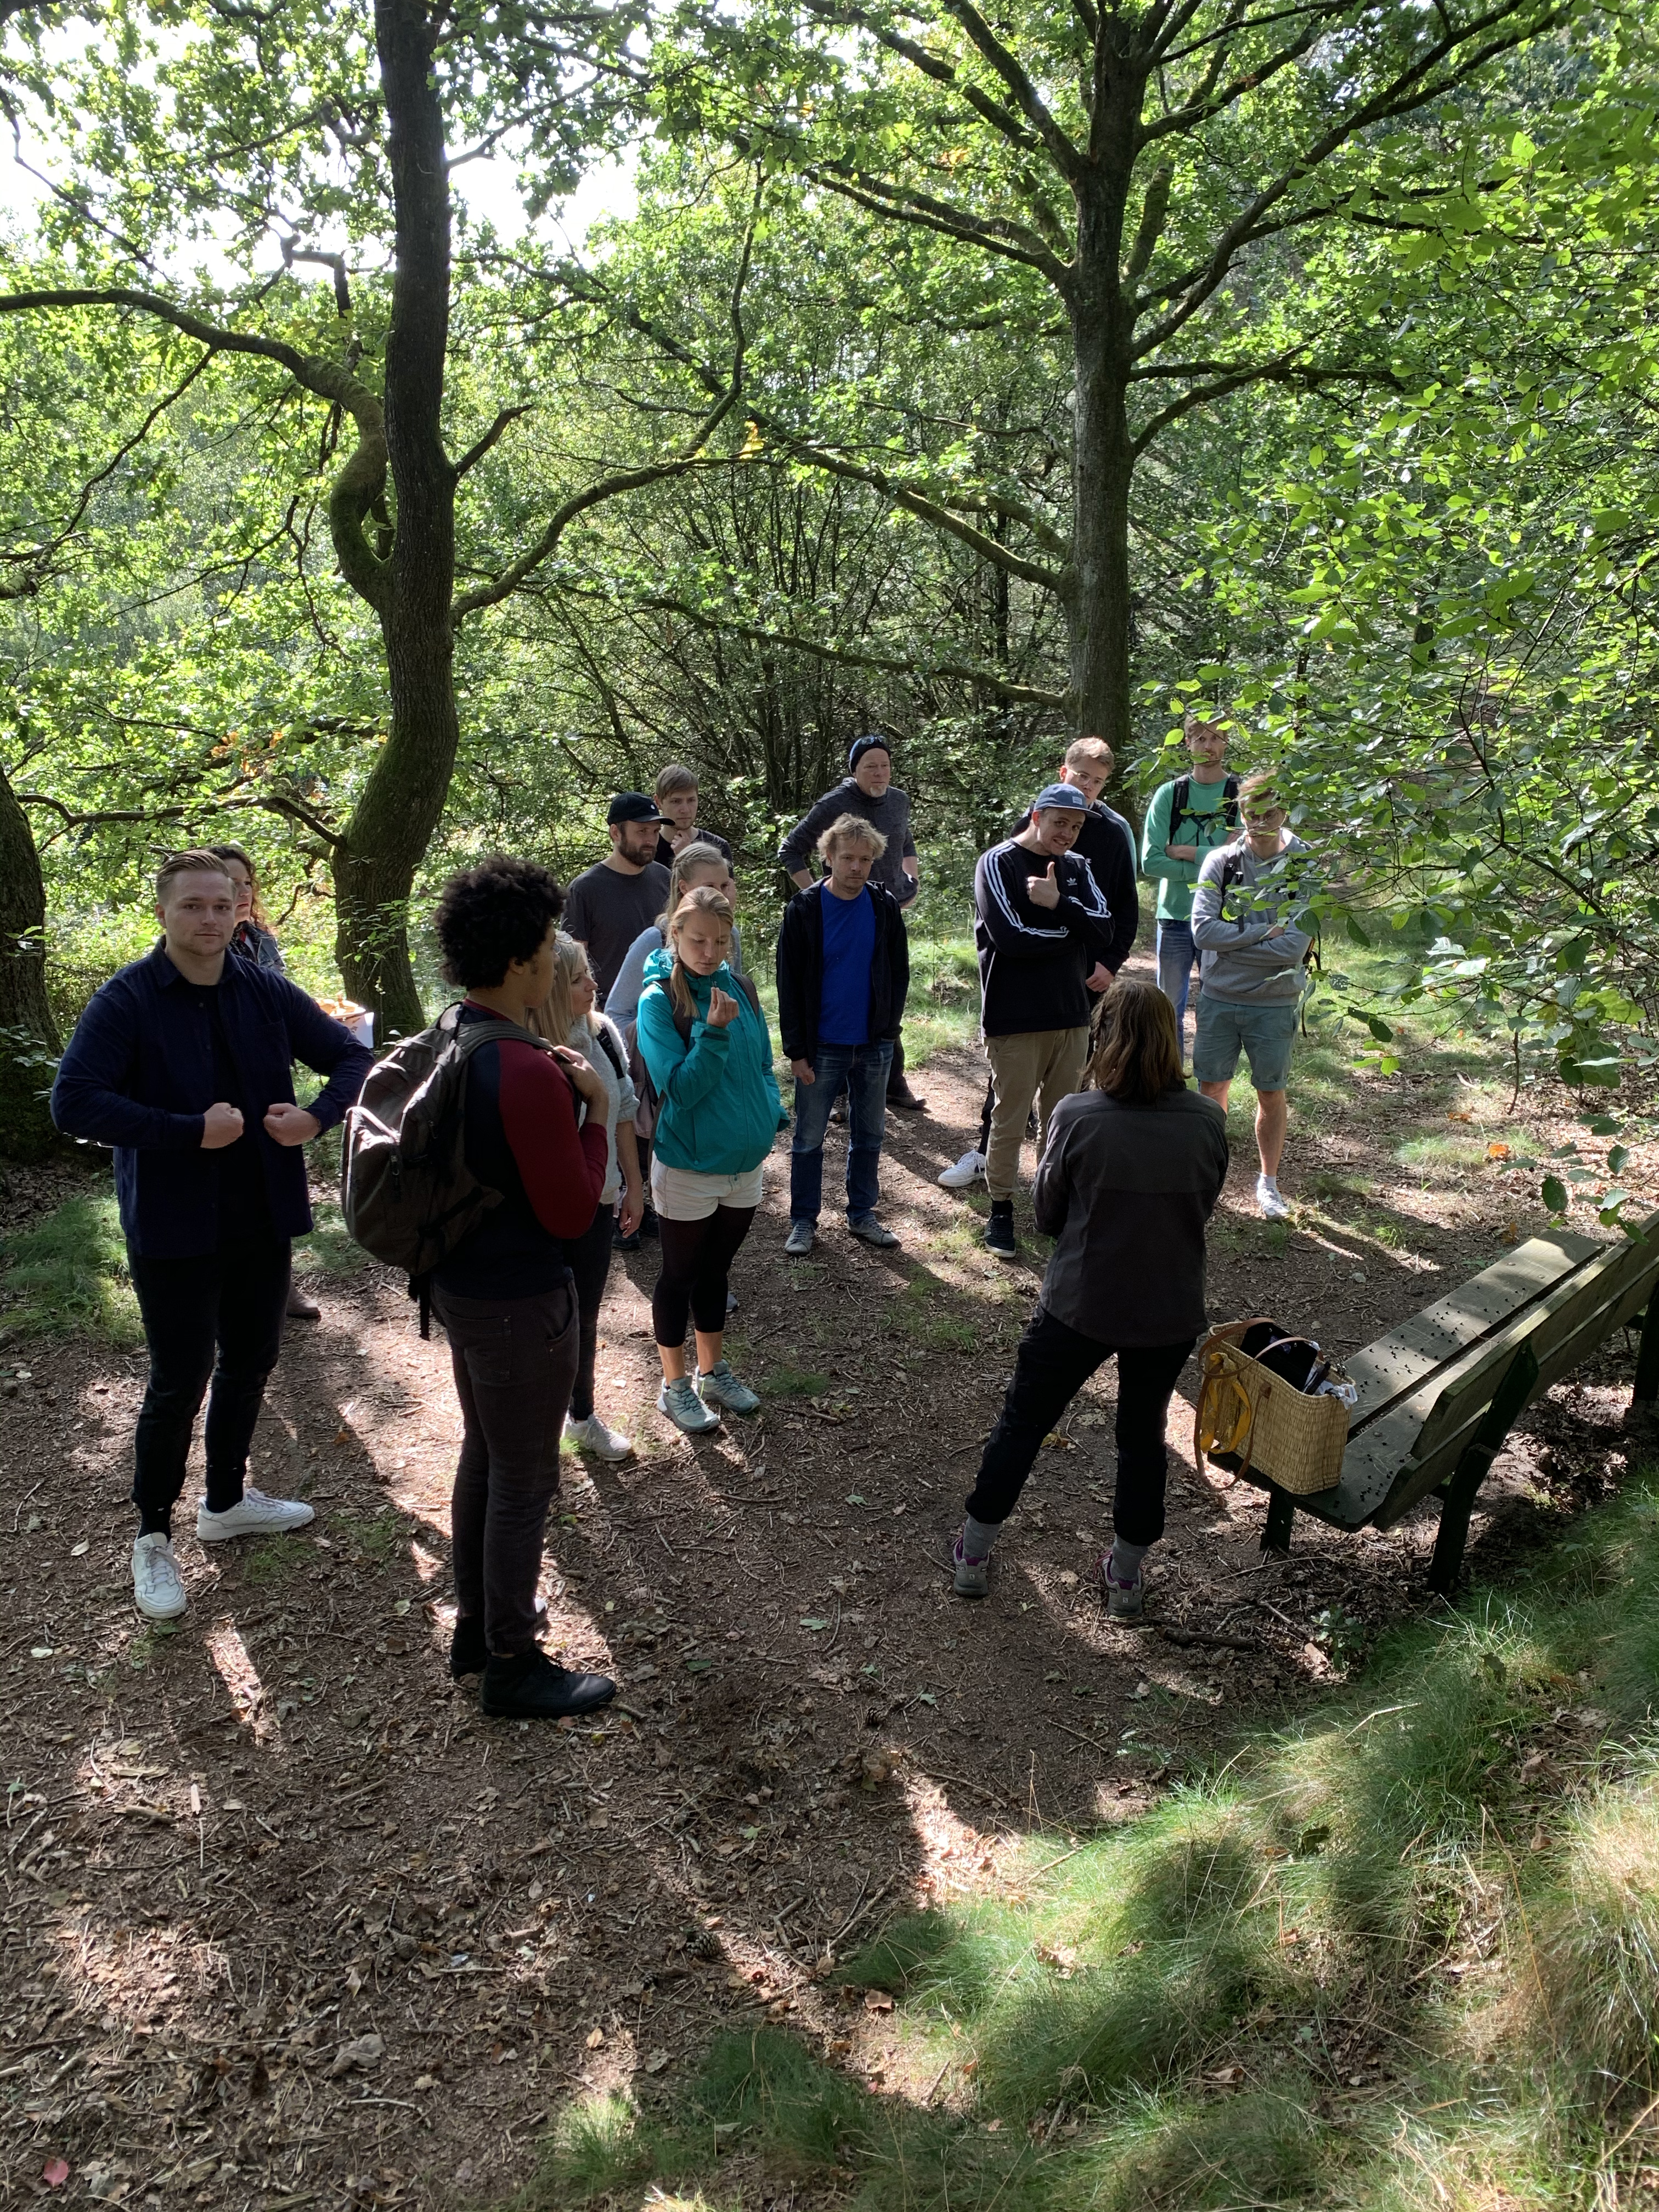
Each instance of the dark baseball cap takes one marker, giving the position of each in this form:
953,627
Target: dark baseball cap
635,806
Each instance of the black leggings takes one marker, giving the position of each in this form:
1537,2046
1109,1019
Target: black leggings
1054,1363
695,1258
588,1259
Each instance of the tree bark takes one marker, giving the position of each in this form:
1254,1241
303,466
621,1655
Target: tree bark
403,801
28,1035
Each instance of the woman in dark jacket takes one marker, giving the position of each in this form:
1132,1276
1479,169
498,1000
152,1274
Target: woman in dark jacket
1129,1176
253,936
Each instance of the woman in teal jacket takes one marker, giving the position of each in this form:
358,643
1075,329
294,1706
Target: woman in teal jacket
705,1046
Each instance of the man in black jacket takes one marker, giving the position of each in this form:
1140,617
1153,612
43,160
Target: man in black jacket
1044,930
1107,842
843,972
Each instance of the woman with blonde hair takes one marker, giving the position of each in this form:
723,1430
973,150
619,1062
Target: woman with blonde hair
706,1048
567,1016
1130,1175
694,864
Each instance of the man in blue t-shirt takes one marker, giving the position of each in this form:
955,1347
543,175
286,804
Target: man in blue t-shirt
843,972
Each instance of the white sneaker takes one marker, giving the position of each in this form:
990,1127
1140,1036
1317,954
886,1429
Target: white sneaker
968,1170
158,1587
253,1515
1275,1207
592,1436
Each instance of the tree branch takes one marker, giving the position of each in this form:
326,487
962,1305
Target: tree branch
475,452
1066,157
359,483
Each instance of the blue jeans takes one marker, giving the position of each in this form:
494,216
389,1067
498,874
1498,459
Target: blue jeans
863,1068
1178,957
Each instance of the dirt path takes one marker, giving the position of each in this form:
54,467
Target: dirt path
286,1923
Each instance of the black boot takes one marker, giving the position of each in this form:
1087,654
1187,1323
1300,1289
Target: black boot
467,1649
531,1688
1000,1230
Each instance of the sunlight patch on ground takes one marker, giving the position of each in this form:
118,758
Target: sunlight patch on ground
240,1675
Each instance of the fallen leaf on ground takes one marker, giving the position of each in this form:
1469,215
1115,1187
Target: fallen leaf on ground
55,2172
363,2050
878,2001
595,2038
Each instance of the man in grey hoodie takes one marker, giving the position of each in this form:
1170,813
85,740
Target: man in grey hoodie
1253,929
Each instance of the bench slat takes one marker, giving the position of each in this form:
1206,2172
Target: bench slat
1398,1364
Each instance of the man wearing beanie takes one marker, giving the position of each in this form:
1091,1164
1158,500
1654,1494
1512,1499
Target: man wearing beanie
868,791
1043,932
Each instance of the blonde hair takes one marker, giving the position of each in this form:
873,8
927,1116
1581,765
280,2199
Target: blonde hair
1090,752
703,899
1137,1059
685,862
1264,784
555,1018
675,777
851,829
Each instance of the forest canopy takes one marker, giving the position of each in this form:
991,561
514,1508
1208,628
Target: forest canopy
986,377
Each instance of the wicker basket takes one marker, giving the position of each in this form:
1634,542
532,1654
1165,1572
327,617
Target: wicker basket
1250,1419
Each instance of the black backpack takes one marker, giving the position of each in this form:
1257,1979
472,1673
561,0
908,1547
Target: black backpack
1181,807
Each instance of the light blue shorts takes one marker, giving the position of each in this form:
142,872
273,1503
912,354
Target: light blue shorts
1227,1027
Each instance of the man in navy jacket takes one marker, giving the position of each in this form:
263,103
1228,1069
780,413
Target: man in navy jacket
843,972
183,1063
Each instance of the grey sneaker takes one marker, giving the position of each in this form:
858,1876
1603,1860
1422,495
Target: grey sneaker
869,1230
680,1402
1124,1602
799,1241
721,1387
972,1578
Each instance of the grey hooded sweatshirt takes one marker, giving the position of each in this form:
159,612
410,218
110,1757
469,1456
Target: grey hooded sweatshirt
1237,900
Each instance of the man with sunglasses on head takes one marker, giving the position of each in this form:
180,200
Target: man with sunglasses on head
1254,929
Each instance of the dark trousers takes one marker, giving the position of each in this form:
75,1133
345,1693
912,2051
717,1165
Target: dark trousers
696,1259
215,1318
515,1360
1055,1362
588,1259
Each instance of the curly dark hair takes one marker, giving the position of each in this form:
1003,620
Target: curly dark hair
494,914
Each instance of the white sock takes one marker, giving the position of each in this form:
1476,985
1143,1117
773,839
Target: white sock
1267,1182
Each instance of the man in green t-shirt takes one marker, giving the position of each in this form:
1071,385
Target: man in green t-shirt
1188,817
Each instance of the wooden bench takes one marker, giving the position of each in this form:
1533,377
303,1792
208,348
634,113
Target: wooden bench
1438,1394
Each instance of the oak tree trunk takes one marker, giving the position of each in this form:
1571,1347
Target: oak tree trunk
403,801
28,1035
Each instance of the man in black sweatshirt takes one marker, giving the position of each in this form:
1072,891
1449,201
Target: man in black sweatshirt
1043,932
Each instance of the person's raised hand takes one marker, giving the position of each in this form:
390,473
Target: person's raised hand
722,1009
221,1125
1099,977
287,1124
802,1070
589,1082
1044,890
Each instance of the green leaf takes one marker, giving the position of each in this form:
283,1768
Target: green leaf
1617,1155
1356,934
1555,1194
811,1620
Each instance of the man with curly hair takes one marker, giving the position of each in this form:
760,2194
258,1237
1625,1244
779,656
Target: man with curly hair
504,1294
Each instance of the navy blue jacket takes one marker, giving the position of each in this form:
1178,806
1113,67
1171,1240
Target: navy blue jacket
139,1075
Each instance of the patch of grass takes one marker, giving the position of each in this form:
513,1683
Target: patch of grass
1403,1953
1449,1151
328,1249
373,1538
68,1275
923,1313
793,1383
274,1558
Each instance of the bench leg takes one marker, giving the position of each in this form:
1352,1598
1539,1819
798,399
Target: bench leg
1281,1506
1472,1468
1647,1357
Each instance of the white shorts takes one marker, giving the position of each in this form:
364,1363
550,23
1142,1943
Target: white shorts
682,1194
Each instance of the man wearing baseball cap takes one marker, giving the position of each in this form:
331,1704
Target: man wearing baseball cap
868,791
609,904
1043,933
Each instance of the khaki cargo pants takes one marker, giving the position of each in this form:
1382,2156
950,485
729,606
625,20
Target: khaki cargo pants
1045,1065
